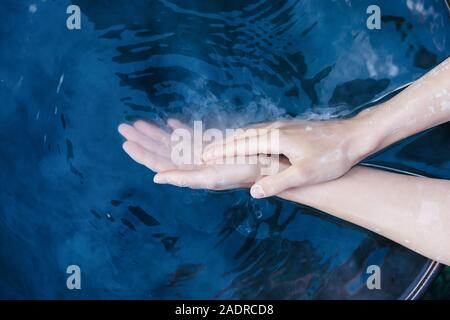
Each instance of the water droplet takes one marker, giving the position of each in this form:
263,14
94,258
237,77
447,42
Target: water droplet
61,79
32,8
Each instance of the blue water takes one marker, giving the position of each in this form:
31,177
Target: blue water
70,195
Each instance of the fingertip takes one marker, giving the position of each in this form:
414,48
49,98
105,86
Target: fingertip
125,145
159,179
139,122
122,128
174,123
132,150
128,146
171,177
257,191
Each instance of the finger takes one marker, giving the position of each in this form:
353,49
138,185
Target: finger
248,131
177,124
132,134
239,133
142,156
152,131
236,135
202,178
273,185
257,129
263,144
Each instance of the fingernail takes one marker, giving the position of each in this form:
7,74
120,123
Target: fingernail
159,179
257,191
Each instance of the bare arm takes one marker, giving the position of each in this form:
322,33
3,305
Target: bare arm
412,211
423,105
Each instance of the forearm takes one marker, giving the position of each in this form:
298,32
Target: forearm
409,210
423,105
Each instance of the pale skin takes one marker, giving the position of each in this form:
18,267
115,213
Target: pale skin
320,151
411,211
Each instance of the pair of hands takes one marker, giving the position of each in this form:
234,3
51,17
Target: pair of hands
151,146
311,152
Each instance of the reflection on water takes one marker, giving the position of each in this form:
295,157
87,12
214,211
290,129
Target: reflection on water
73,194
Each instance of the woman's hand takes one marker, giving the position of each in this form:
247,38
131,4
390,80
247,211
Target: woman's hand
151,146
318,151
323,151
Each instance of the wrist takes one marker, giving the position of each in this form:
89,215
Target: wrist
365,135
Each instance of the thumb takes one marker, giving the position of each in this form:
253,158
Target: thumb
274,184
